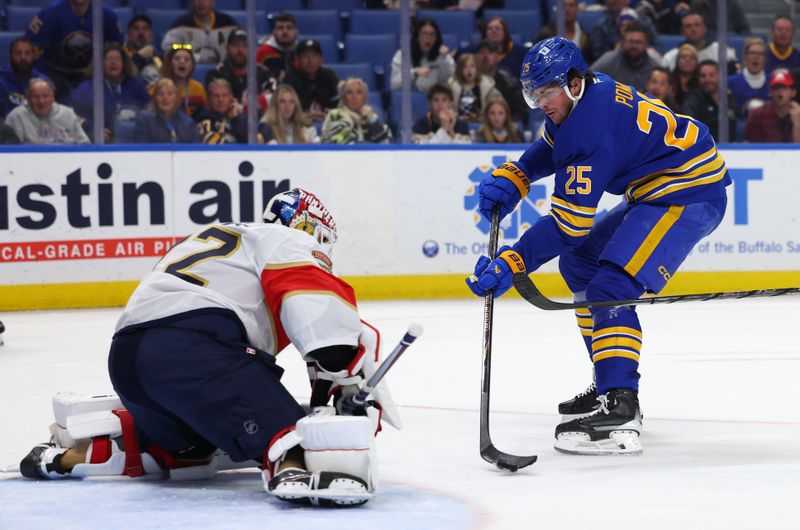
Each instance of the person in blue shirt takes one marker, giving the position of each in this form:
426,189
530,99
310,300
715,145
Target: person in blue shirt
124,93
62,36
749,88
603,137
14,76
166,123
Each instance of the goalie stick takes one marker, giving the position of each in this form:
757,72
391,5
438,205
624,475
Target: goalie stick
357,401
489,452
528,290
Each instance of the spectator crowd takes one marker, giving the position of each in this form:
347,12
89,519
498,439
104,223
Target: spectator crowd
185,81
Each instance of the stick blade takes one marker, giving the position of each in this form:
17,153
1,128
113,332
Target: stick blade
506,461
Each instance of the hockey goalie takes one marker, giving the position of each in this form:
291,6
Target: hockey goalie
193,366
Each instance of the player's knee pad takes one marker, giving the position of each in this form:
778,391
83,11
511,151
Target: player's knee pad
613,283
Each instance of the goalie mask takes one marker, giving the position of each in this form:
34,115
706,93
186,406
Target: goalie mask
302,210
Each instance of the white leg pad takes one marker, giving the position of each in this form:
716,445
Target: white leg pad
70,404
344,444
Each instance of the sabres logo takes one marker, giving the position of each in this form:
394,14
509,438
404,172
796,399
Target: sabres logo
526,68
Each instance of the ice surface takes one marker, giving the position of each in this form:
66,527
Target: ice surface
722,427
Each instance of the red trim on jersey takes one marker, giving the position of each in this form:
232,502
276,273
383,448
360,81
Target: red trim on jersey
101,450
377,334
133,456
279,283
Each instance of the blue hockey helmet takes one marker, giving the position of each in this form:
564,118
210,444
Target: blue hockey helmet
550,61
302,210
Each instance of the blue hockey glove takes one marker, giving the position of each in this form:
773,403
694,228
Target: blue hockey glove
507,185
495,275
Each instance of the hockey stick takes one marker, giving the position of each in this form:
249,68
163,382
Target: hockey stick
531,294
352,403
488,451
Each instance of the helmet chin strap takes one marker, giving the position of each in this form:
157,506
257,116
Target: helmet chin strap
577,98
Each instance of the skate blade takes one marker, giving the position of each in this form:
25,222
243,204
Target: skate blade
624,443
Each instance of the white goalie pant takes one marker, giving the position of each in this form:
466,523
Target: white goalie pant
342,444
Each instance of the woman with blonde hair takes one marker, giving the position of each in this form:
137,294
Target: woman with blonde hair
497,127
284,121
179,65
166,123
354,121
686,76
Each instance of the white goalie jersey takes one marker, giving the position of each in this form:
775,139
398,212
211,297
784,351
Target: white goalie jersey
268,274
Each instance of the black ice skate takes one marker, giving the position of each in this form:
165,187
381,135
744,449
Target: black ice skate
325,488
42,462
2,330
613,429
580,406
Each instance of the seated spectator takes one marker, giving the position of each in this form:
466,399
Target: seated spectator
7,135
277,51
781,47
205,28
178,66
779,120
124,94
511,55
572,28
14,76
430,61
354,121
234,70
316,85
497,126
703,102
222,122
488,57
166,123
749,87
658,86
686,76
693,28
736,21
62,37
43,121
630,64
470,89
140,49
440,125
664,15
284,122
607,32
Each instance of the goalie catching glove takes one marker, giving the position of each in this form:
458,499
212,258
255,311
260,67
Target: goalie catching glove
506,186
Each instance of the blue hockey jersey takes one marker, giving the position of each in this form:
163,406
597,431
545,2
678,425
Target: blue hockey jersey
619,141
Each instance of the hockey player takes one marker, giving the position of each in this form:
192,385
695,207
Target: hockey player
602,136
193,364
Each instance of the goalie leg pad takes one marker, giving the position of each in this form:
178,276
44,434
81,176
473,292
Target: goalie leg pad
340,459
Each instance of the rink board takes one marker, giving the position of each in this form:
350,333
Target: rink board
78,228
